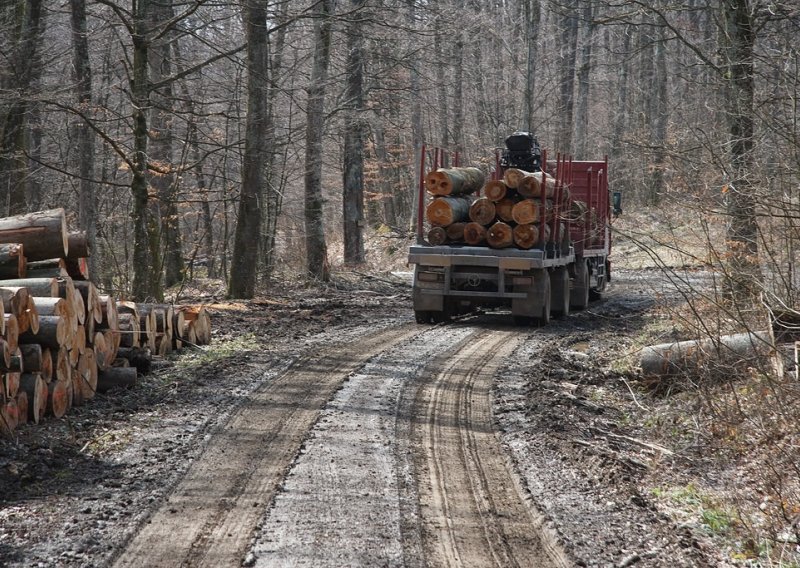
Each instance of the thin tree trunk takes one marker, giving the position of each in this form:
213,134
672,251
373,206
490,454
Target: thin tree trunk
353,190
146,235
569,45
244,260
316,247
658,128
416,117
24,18
84,136
162,141
741,203
584,70
533,16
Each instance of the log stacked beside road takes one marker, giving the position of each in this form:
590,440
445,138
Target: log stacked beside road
61,340
509,214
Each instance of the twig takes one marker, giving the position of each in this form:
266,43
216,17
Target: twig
634,396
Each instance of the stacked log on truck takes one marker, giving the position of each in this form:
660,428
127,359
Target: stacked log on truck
509,214
61,340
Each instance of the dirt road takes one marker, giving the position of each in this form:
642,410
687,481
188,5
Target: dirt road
351,437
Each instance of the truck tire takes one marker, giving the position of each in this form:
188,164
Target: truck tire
559,292
544,318
422,316
579,296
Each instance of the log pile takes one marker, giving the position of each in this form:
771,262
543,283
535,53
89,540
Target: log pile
511,212
61,340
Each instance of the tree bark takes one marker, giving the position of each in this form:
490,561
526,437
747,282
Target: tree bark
353,192
43,234
248,227
316,246
584,71
84,136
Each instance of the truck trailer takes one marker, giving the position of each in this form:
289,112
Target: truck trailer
566,268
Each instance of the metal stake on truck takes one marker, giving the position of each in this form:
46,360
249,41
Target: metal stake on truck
566,268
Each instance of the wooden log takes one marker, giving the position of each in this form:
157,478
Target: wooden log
505,208
69,394
11,334
103,352
577,213
50,268
79,307
112,342
474,234
77,387
444,211
500,235
28,320
178,325
78,245
14,301
34,360
5,354
531,185
200,323
116,378
437,236
22,407
129,330
54,332
77,268
140,359
91,299
9,416
482,211
108,308
16,361
725,354
454,181
13,263
512,177
527,236
120,362
59,398
147,322
91,380
62,371
11,383
79,340
36,389
42,234
496,190
530,211
45,287
455,232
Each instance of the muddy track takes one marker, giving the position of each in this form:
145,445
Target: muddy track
210,516
472,508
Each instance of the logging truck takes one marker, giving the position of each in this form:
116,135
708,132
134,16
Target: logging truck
533,238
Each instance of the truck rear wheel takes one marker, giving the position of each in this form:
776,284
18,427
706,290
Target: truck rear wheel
559,292
422,316
579,296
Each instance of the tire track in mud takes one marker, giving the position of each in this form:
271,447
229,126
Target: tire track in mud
473,510
209,518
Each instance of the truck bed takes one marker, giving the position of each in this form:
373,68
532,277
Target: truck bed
447,255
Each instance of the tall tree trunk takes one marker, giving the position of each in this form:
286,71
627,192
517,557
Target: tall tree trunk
273,199
416,117
584,70
23,18
244,260
146,235
162,143
569,46
316,247
458,95
658,124
84,136
533,16
353,190
441,83
741,202
621,107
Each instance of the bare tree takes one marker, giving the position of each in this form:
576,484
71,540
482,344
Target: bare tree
316,245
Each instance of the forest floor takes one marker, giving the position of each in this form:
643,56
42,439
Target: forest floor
323,427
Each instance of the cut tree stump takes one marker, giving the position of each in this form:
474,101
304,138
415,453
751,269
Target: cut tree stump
13,263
